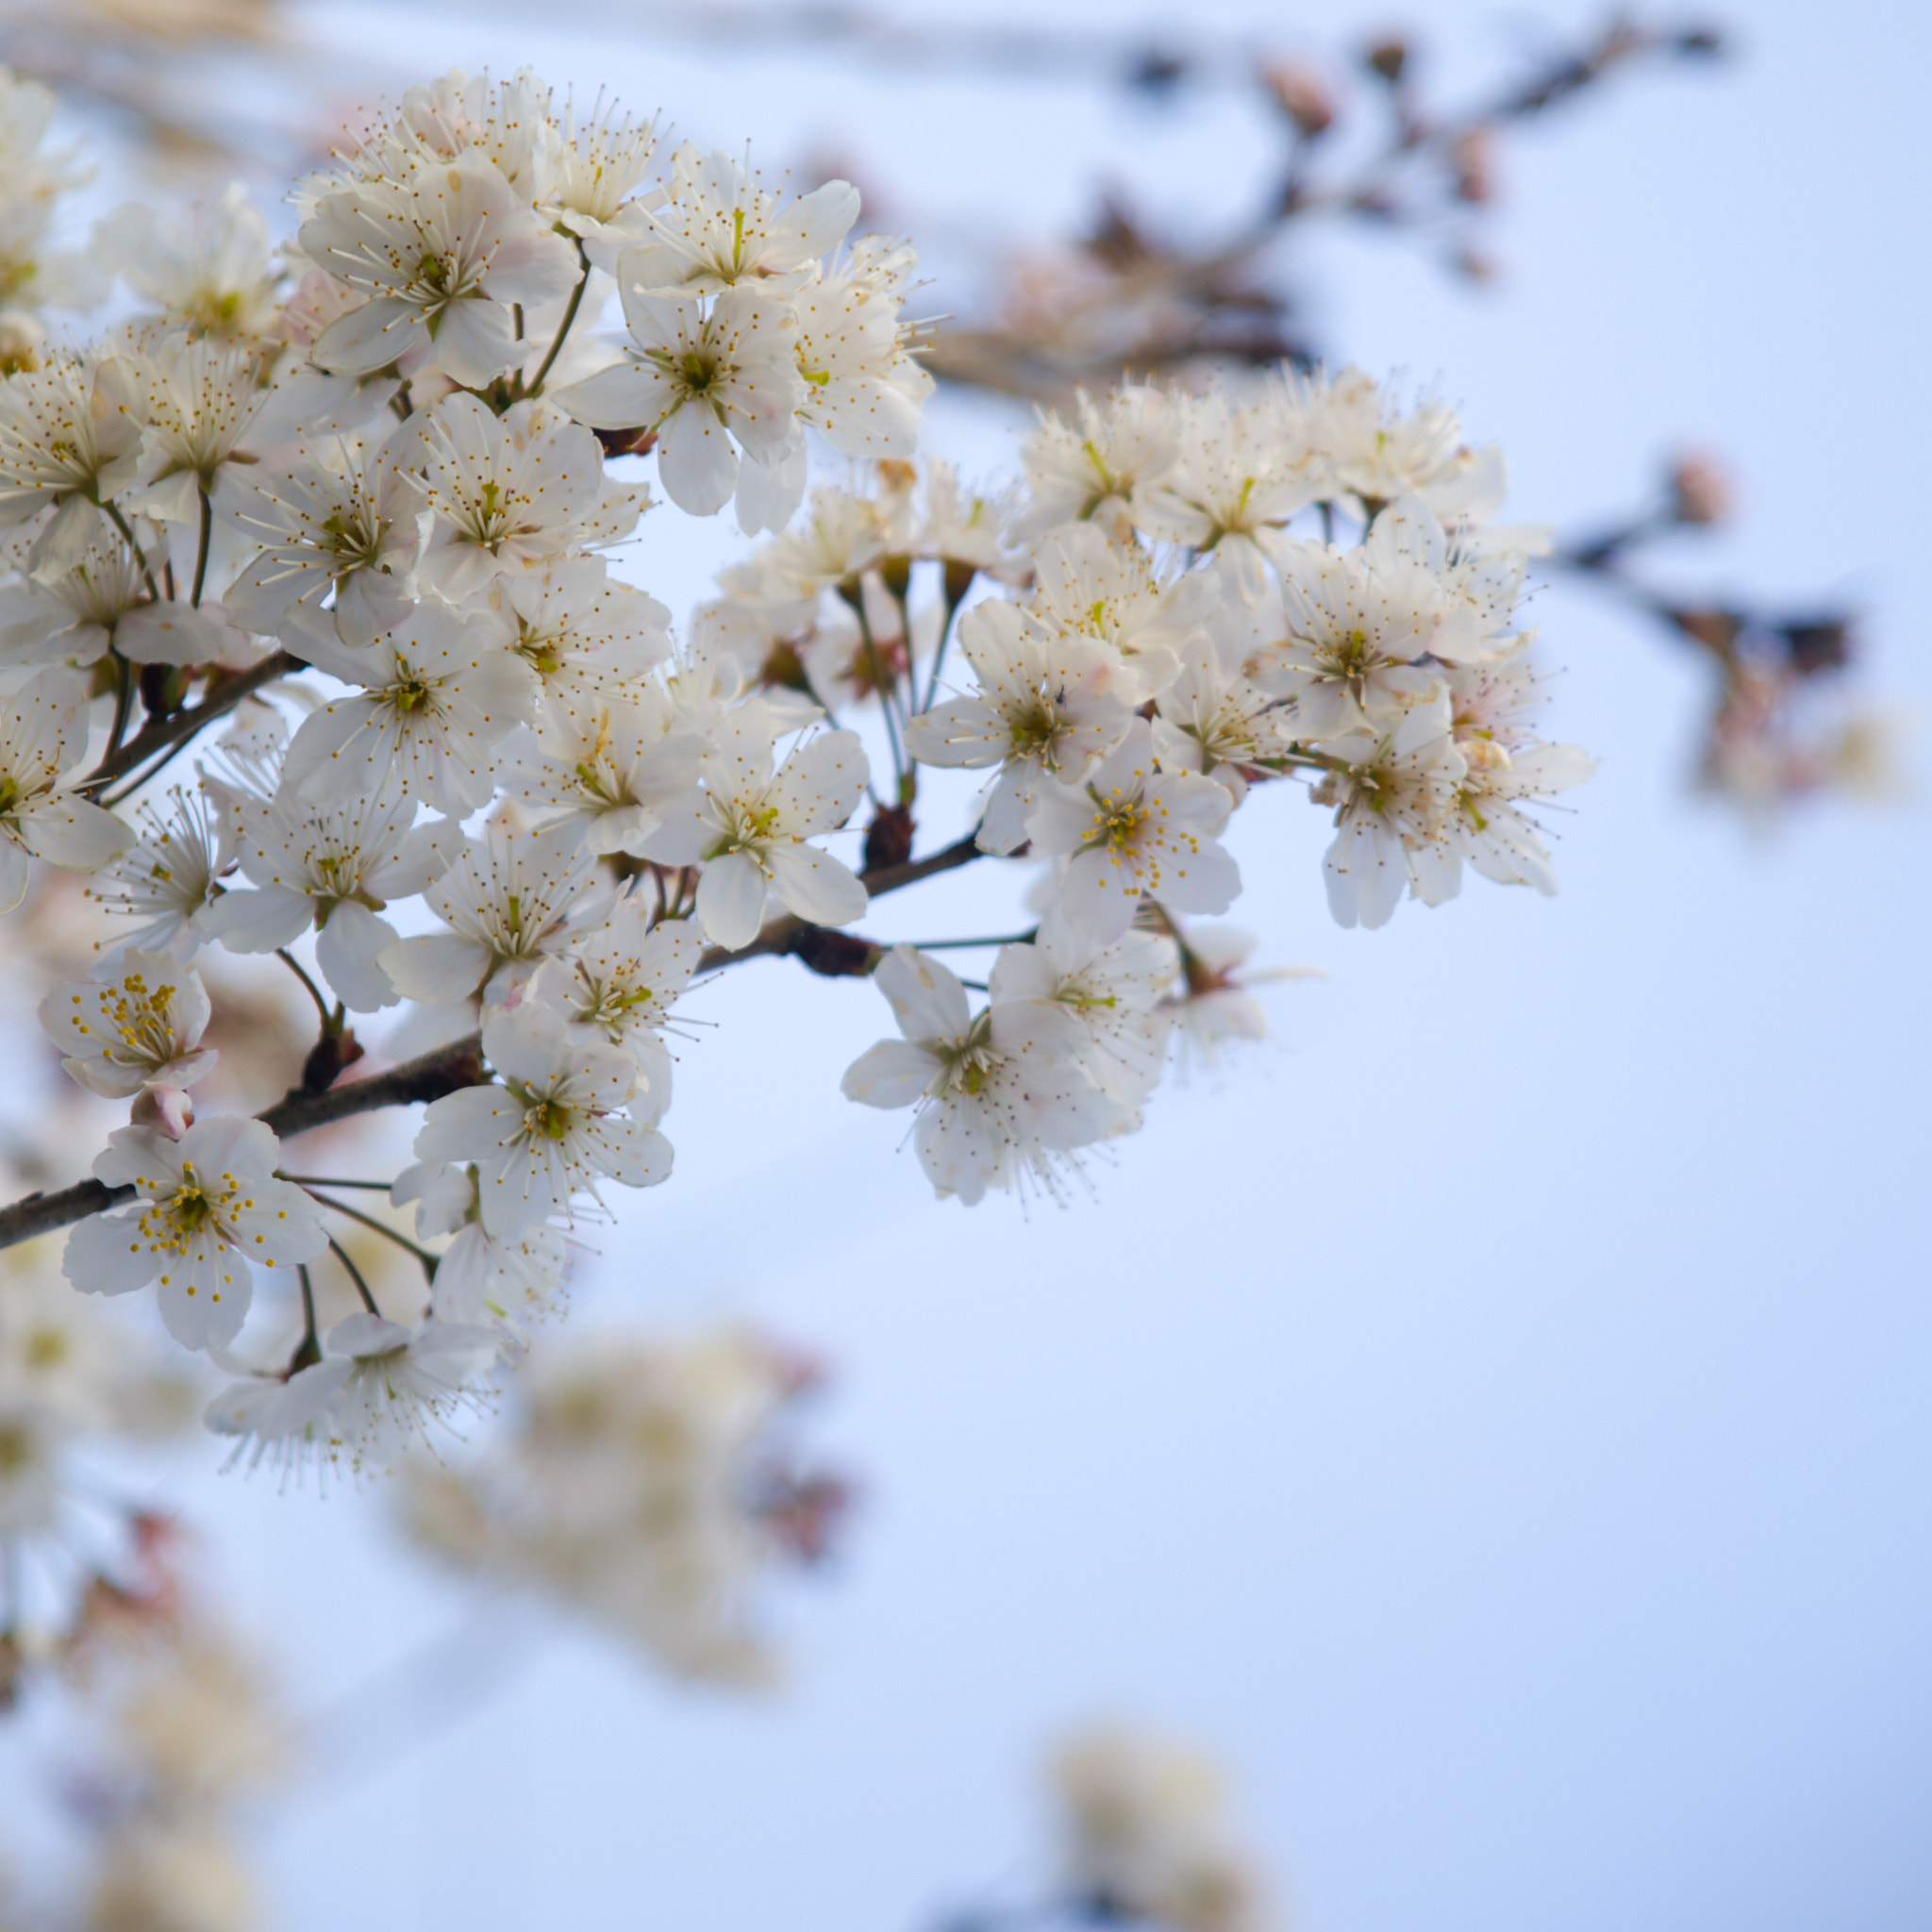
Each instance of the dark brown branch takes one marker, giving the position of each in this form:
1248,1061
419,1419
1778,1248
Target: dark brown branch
299,1111
158,734
446,1069
783,935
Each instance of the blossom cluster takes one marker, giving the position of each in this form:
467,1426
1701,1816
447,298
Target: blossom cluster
360,502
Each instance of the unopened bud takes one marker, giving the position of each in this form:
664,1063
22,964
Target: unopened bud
626,443
21,342
1717,630
1473,160
889,837
1473,265
1387,57
1824,645
1700,490
1301,93
327,1059
834,955
166,1107
784,669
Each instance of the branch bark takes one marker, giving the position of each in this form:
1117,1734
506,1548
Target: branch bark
781,935
299,1111
160,733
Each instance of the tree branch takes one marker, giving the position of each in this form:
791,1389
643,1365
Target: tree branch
299,1111
783,935
158,734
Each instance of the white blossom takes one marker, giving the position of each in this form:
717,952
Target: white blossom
212,275
440,689
752,825
512,900
586,636
1379,451
1145,1836
1067,997
400,1381
69,437
552,1130
1093,467
707,376
613,775
207,1206
720,229
1395,817
42,736
628,976
170,878
511,492
136,1024
863,387
330,513
985,1118
442,254
1048,707
1132,830
333,867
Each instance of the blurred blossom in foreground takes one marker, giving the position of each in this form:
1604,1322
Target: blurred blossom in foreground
648,1484
1145,1836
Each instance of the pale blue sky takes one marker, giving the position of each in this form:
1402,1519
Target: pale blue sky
1495,1414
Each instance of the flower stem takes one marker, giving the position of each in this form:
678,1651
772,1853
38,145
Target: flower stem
369,1220
342,1254
208,526
121,524
570,316
322,1007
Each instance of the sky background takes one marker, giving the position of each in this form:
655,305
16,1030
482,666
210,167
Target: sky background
1494,1414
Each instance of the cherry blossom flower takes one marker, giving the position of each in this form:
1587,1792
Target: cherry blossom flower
552,1130
1091,469
511,492
42,736
100,602
1066,997
397,1381
1395,804
442,254
136,1025
708,377
864,388
751,825
1379,451
720,229
985,1118
614,775
440,689
629,975
513,900
1356,626
1133,829
213,274
1047,710
171,880
333,867
209,1205
586,636
1496,834
329,513
70,437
